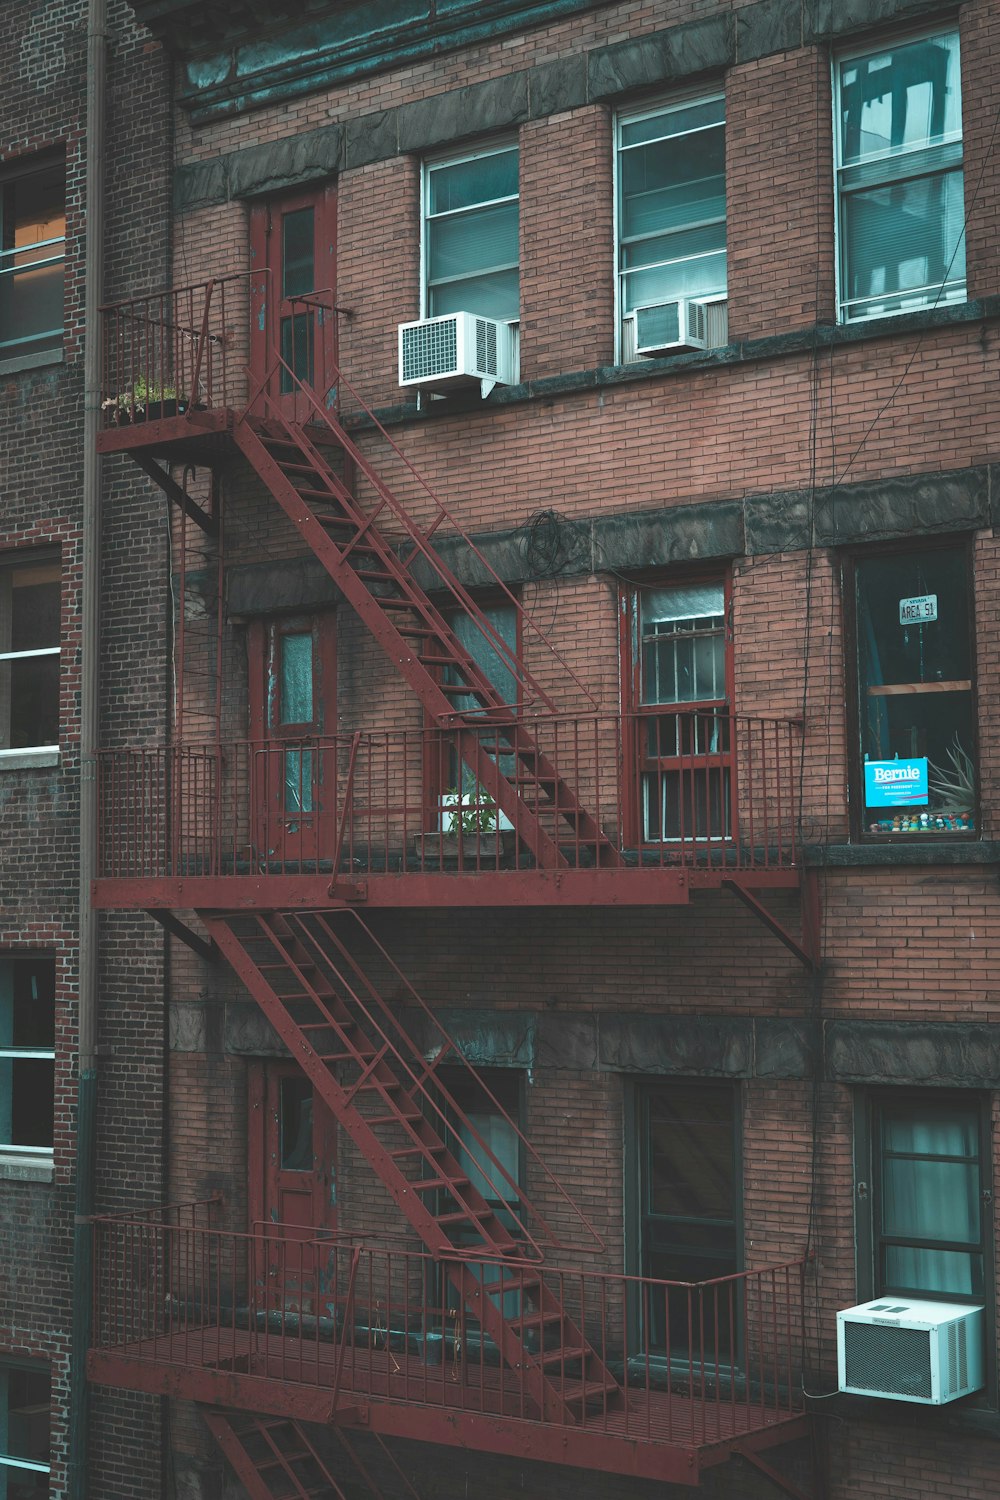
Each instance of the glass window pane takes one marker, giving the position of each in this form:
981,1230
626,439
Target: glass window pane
495,296
672,122
673,184
691,1166
32,236
931,1200
905,237
27,1417
299,781
707,239
484,240
903,99
462,184
500,1137
928,1134
951,1272
296,1122
34,701
298,266
298,342
296,687
704,276
31,1083
35,603
30,1021
689,602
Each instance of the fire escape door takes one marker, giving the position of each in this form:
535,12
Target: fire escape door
293,1186
293,248
293,760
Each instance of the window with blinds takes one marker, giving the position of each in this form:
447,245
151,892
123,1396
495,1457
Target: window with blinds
900,199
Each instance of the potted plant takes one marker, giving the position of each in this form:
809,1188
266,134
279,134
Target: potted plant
470,826
144,401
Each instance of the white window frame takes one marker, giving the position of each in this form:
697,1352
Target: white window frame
433,163
631,117
11,1151
14,348
27,755
935,294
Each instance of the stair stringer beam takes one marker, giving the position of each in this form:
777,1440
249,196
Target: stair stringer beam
552,1399
372,609
246,1469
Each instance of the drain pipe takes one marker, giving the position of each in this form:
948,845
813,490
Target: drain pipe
86,1133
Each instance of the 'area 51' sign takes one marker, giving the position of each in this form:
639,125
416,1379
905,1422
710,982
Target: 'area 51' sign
896,783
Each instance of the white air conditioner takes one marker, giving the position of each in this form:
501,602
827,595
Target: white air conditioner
903,1350
458,349
681,324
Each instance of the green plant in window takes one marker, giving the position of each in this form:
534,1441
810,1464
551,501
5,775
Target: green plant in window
955,783
469,813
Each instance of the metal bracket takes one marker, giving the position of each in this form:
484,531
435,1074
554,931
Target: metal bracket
202,946
805,950
781,1480
174,492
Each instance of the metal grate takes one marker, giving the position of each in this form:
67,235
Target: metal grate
486,347
894,1360
958,1357
430,349
658,327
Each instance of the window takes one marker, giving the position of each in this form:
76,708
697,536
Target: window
915,704
926,1227
27,1054
900,185
672,212
678,669
293,721
687,1205
449,781
30,599
32,256
471,235
484,1132
24,1431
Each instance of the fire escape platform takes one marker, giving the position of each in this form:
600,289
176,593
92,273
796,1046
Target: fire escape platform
658,1435
570,887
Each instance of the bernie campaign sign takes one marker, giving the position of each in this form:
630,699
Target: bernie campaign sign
896,783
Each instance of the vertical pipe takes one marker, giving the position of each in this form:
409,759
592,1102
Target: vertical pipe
89,596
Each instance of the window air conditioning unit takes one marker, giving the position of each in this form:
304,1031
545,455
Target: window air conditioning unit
681,324
459,349
902,1350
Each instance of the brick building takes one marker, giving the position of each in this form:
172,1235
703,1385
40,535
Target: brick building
548,629
44,224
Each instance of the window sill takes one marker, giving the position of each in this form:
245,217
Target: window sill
14,1168
27,760
37,361
922,851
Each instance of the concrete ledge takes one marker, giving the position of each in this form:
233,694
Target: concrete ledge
922,851
20,362
22,1169
28,760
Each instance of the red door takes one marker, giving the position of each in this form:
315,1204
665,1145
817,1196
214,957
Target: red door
292,1188
293,759
293,248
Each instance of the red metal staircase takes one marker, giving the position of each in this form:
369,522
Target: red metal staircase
397,1108
272,1457
416,634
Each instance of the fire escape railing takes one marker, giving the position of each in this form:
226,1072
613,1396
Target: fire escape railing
695,1363
400,803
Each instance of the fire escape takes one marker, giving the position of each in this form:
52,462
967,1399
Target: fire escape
479,1328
